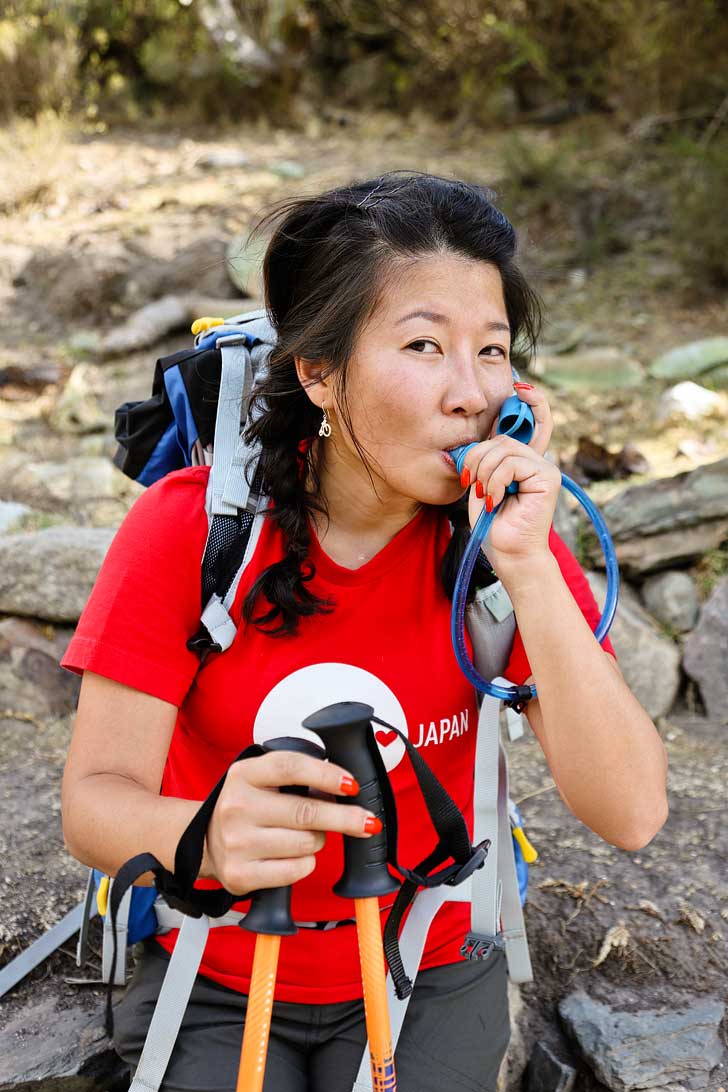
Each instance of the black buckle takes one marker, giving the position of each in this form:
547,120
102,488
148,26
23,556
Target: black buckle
477,946
521,700
475,861
201,643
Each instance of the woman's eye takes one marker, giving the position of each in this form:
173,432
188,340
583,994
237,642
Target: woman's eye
498,349
422,341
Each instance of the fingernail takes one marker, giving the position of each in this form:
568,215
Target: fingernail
465,478
372,825
348,786
488,502
524,386
479,491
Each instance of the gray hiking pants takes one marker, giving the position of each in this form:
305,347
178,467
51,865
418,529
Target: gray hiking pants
454,1036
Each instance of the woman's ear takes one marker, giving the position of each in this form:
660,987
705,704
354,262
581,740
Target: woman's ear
310,376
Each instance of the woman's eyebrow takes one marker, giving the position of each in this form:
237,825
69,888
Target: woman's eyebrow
435,316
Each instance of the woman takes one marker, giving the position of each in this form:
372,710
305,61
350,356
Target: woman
397,302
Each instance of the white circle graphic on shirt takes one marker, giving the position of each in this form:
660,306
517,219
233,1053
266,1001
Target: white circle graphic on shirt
310,688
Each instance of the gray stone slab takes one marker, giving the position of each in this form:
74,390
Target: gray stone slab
650,1049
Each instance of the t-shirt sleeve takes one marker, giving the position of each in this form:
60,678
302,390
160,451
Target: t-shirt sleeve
519,669
145,603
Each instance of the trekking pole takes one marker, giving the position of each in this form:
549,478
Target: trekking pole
270,917
346,731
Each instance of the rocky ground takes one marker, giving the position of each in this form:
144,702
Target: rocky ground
120,220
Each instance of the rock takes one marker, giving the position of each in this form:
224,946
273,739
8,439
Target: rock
244,264
640,556
672,598
596,369
706,652
198,267
78,282
287,168
11,514
223,158
59,1043
546,1073
77,410
82,482
668,521
49,574
649,661
649,1050
31,681
32,377
689,401
694,358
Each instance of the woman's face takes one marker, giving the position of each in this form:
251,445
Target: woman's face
421,383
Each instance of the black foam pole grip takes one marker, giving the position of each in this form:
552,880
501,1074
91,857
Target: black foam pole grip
270,908
347,734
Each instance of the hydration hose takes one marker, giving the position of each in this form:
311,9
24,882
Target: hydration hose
516,419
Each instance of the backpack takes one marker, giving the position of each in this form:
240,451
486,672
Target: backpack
182,425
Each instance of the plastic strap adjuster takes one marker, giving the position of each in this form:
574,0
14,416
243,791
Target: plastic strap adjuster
478,946
475,861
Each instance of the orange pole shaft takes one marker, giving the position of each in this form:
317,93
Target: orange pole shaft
257,1019
376,1009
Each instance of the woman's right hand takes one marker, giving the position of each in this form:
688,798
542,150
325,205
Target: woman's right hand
259,837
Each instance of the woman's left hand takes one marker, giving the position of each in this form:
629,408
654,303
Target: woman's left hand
520,530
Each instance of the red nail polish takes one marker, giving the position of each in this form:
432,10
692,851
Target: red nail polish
465,478
479,491
524,386
348,786
372,825
488,502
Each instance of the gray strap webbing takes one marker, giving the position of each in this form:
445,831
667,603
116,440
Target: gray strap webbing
171,1004
513,926
486,889
218,622
107,944
236,367
89,909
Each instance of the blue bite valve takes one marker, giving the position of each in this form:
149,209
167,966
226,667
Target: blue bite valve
515,419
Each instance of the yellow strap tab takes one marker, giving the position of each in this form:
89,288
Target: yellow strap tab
102,896
205,323
529,853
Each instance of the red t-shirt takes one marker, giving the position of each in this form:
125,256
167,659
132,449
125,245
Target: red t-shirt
387,643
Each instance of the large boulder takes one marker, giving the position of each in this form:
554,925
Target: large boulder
672,598
49,574
88,488
650,662
705,656
670,521
650,1050
31,681
59,1043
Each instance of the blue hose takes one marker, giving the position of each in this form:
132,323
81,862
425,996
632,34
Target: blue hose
513,421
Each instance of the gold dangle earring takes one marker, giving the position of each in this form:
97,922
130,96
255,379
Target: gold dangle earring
325,429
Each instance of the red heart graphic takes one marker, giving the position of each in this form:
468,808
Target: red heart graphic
385,738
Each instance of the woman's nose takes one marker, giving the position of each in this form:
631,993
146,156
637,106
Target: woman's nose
465,393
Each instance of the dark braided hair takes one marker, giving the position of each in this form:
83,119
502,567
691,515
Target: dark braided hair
327,265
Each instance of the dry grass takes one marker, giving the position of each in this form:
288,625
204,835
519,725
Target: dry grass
32,161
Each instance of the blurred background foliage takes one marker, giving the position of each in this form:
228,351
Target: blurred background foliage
467,60
651,76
